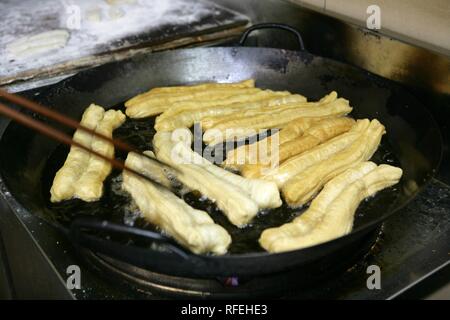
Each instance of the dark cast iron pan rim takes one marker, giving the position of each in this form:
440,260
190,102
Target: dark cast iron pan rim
17,206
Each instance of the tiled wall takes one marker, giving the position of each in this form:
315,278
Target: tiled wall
426,22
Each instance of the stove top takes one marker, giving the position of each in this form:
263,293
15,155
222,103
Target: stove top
412,249
279,285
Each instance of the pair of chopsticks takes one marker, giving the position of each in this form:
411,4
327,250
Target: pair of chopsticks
60,136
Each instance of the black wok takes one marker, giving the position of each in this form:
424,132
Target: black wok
413,142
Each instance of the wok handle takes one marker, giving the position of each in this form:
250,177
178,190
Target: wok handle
78,234
280,26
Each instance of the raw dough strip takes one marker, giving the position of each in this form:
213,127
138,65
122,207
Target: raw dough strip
39,43
301,162
312,137
89,187
331,213
190,89
239,208
188,118
194,229
64,183
302,187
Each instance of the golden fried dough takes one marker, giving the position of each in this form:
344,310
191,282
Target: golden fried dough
264,193
297,127
235,202
64,183
157,171
188,118
191,105
190,89
245,154
214,136
301,162
315,135
213,121
220,134
339,107
331,213
194,229
303,186
156,104
89,186
250,83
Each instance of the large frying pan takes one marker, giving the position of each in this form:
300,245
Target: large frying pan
413,138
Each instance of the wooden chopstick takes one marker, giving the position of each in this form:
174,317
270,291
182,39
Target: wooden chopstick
57,135
59,117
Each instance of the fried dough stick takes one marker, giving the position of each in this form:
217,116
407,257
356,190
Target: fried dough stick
264,193
244,154
315,135
249,83
293,128
64,183
213,137
246,84
89,187
241,128
188,118
302,187
297,127
300,106
269,120
158,103
301,162
157,171
193,229
191,105
331,213
273,238
235,203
